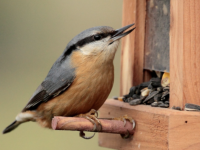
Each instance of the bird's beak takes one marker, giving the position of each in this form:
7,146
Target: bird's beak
119,33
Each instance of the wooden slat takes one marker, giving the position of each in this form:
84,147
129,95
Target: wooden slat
156,128
139,42
176,53
127,51
132,55
184,52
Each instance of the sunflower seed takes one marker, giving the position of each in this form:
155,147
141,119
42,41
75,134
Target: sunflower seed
151,95
158,97
135,102
192,107
154,104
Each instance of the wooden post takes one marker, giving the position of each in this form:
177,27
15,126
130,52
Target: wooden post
132,56
184,52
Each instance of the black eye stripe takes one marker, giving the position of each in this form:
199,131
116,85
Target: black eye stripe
91,39
84,41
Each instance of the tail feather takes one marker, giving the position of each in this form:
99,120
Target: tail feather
11,127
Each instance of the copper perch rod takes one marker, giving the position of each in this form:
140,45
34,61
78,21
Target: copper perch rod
82,124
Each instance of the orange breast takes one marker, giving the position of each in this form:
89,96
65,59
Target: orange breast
92,85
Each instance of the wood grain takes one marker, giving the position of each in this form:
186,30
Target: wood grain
127,50
132,55
176,53
185,52
184,132
156,128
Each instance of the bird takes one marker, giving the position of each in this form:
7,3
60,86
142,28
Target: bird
79,81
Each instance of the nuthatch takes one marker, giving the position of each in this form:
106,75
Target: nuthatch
80,79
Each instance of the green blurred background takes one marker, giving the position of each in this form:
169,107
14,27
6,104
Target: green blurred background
32,36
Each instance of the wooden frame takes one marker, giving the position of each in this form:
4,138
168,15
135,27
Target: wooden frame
185,52
159,128
156,128
133,45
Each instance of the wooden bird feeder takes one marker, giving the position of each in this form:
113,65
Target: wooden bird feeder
159,128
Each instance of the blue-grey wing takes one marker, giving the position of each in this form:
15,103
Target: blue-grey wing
59,78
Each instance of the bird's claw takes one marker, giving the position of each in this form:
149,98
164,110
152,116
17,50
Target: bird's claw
82,134
94,112
125,136
124,119
95,126
92,117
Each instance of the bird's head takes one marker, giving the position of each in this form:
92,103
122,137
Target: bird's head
98,40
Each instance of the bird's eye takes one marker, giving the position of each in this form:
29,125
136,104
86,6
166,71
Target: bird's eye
97,37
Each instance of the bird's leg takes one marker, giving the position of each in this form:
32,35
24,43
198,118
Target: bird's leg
92,117
124,118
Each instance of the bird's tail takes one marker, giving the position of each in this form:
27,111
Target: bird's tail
11,127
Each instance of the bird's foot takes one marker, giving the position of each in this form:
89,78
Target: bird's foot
124,118
92,117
